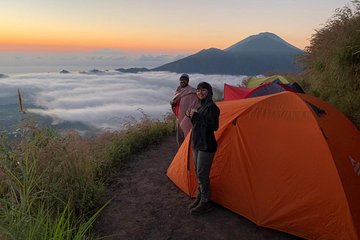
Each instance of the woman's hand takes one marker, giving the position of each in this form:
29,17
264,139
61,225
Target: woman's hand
192,111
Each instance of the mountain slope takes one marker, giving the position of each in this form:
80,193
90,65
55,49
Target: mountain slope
263,42
257,54
210,61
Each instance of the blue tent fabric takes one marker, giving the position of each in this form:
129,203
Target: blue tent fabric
267,89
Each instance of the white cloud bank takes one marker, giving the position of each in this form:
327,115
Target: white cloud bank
105,100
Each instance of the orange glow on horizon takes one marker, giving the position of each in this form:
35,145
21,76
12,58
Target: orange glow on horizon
133,44
79,48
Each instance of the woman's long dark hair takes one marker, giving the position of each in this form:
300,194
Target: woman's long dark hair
207,86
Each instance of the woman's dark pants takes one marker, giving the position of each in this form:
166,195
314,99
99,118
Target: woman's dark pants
203,161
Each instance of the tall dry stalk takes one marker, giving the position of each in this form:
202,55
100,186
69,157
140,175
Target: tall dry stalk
20,101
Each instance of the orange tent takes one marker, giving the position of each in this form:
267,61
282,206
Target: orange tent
286,161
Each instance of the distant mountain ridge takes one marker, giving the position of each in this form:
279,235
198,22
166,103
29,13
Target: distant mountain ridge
3,75
256,54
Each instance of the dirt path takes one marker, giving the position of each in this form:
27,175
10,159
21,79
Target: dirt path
147,205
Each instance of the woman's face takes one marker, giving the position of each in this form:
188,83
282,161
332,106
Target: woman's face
201,93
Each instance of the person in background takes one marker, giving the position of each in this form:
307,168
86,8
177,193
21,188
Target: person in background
205,121
183,101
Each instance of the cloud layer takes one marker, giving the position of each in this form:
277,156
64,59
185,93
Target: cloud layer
106,100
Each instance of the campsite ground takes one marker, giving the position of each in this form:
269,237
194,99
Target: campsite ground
147,205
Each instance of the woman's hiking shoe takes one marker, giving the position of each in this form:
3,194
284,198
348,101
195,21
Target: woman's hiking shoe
202,207
194,203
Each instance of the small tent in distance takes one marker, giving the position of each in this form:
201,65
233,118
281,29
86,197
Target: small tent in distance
255,81
286,161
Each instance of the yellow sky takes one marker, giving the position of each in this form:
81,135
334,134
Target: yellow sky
154,25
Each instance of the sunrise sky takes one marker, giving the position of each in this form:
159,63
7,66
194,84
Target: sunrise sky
154,26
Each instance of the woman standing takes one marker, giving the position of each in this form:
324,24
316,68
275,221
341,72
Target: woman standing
205,120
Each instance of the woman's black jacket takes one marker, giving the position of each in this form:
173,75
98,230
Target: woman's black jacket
205,121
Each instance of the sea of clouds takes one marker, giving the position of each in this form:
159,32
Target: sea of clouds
104,100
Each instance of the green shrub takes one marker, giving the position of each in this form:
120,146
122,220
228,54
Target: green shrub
332,61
